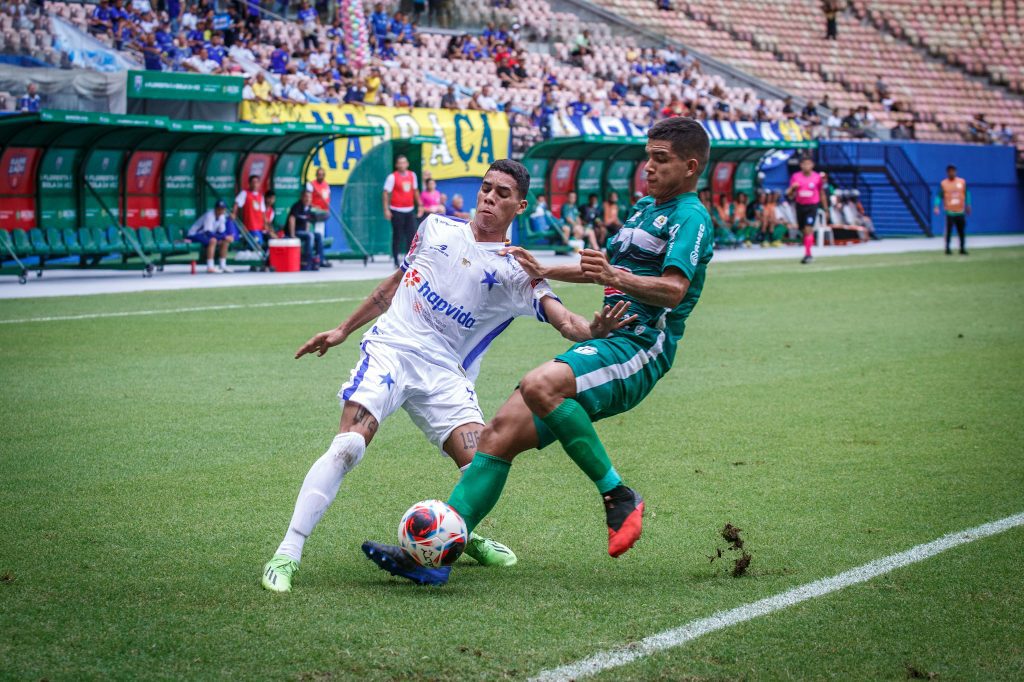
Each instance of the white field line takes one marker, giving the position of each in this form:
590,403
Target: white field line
668,639
168,311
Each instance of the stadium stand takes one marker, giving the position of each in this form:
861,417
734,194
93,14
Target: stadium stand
782,42
982,40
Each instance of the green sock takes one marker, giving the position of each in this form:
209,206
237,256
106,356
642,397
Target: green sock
478,490
572,425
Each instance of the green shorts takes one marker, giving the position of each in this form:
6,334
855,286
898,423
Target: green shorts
614,374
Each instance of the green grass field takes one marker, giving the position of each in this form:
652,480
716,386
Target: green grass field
837,413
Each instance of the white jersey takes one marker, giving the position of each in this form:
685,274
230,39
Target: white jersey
456,297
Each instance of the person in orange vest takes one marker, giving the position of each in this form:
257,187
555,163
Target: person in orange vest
401,205
253,208
956,201
321,193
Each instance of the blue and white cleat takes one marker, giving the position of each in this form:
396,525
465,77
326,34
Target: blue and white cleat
395,561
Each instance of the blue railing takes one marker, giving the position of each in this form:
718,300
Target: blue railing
909,184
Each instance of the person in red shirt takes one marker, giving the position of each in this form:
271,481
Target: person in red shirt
321,193
253,209
401,205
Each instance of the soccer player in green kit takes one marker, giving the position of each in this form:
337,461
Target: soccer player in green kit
657,263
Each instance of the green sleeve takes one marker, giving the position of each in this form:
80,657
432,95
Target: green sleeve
690,241
967,198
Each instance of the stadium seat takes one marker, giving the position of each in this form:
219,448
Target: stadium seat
38,240
56,243
6,245
22,245
146,241
91,241
114,241
163,244
71,243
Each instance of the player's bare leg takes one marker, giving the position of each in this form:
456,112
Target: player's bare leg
318,491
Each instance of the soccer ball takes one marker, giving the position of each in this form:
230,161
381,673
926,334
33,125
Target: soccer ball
432,533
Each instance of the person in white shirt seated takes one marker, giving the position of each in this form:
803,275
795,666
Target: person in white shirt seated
214,228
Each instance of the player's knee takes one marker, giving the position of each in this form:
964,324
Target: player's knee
347,450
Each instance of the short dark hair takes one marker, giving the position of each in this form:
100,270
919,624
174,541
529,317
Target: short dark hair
517,171
687,136
950,167
270,193
253,176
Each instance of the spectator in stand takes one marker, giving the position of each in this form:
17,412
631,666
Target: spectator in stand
387,50
455,209
450,100
610,219
401,199
485,100
544,223
201,63
665,5
30,102
299,226
955,200
900,131
831,8
675,107
806,188
881,88
253,209
454,49
216,50
979,129
373,87
152,55
356,93
100,21
309,22
279,59
851,124
379,21
788,110
741,224
213,228
581,107
403,99
1005,136
581,48
431,200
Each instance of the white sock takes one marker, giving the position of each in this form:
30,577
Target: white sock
223,262
319,488
209,262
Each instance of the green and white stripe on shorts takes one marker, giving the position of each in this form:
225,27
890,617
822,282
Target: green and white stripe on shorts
614,374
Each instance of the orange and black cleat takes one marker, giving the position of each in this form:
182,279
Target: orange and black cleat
624,510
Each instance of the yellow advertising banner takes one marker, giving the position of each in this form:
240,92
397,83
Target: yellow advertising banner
470,140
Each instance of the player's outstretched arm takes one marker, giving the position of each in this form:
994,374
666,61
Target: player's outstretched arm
376,304
576,328
532,267
665,290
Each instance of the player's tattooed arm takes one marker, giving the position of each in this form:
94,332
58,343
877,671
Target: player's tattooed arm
376,304
576,328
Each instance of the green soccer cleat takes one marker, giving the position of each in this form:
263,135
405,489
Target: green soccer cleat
487,552
277,574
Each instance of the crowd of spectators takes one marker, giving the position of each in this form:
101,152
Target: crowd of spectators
644,85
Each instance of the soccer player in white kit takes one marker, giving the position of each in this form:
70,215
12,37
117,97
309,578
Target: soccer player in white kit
435,318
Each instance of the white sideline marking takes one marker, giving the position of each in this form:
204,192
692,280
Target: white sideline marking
668,639
132,313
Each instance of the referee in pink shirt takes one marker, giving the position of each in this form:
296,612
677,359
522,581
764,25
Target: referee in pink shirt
806,190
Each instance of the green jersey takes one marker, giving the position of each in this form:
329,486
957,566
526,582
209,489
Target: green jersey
674,234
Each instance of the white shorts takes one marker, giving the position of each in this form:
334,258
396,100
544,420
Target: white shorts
438,399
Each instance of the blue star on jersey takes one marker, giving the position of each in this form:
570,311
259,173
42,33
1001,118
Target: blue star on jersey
490,279
386,379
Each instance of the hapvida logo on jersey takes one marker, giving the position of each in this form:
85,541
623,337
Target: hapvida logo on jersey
446,308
